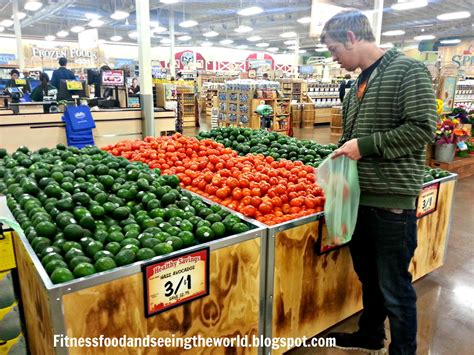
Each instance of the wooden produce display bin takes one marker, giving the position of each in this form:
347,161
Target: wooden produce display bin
308,115
464,167
323,115
112,303
336,121
309,292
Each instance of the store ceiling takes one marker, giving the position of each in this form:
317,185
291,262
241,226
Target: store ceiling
220,16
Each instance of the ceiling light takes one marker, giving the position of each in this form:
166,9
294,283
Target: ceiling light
292,47
50,38
320,45
320,50
226,41
169,1
100,41
243,29
386,45
249,11
302,51
409,4
96,23
242,46
33,5
290,42
119,15
77,29
454,16
2,28
92,16
154,23
21,15
116,38
288,34
206,44
304,20
272,49
188,23
450,41
424,38
262,44
254,38
6,23
62,34
165,41
184,38
133,35
211,34
160,29
393,33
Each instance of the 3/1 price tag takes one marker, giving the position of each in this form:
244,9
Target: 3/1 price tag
427,200
173,281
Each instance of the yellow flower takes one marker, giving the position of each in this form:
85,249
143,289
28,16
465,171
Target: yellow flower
439,106
455,121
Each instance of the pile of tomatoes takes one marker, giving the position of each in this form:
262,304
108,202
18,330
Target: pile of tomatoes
257,186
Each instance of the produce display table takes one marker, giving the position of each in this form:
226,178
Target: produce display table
464,167
112,303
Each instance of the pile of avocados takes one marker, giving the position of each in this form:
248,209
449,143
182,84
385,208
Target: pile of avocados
278,146
85,211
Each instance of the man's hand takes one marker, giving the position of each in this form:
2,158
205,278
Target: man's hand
350,149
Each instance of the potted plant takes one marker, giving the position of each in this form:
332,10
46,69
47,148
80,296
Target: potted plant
447,136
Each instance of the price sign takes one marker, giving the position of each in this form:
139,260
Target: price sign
427,200
73,85
173,281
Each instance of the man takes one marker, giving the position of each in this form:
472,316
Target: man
14,74
265,77
389,116
62,73
345,86
42,90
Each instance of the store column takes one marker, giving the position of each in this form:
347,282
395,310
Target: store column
144,62
377,20
19,44
296,58
172,39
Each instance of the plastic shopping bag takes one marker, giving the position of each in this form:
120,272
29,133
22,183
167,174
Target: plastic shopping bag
340,181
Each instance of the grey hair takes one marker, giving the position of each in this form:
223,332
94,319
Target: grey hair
348,20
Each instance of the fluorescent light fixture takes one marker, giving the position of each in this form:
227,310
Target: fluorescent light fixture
50,38
424,38
116,38
292,47
184,38
243,29
154,23
393,33
21,15
33,5
450,41
96,23
304,20
290,42
254,38
386,45
62,34
133,35
77,29
272,49
409,4
100,41
160,29
92,16
454,16
206,44
169,1
242,46
188,23
119,15
2,28
211,34
301,51
249,11
165,41
288,34
320,50
226,41
6,23
263,44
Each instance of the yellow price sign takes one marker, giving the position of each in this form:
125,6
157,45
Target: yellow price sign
427,200
20,81
7,255
73,85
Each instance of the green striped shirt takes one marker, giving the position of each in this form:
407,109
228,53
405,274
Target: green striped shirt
393,122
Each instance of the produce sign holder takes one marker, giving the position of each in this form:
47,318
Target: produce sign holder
74,308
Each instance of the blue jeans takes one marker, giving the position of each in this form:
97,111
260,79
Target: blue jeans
382,247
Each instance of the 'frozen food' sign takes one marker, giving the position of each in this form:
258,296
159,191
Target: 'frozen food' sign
70,53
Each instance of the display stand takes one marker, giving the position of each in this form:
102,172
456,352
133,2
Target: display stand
187,105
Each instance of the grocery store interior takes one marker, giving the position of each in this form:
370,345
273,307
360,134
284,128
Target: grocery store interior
159,177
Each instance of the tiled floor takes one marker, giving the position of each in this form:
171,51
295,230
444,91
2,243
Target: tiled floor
446,296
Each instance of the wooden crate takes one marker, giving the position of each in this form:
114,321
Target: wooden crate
308,293
323,115
336,121
464,167
111,304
